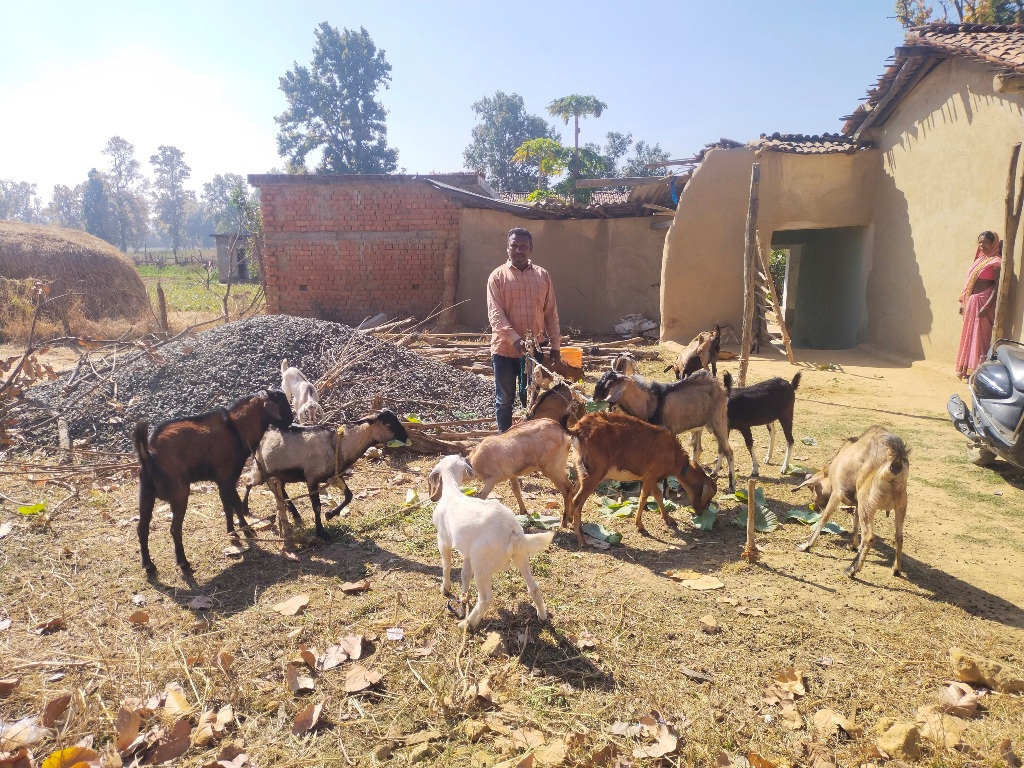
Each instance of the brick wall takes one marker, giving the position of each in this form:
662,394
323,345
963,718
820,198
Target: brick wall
344,248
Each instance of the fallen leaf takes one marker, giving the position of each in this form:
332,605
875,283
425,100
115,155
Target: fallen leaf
526,761
1007,754
17,759
5,624
310,656
204,728
596,543
126,729
139,617
175,745
71,756
334,656
298,682
22,733
293,605
225,716
746,610
359,678
225,660
307,719
775,695
479,689
53,625
682,575
695,675
727,600
353,587
527,738
54,710
352,645
201,603
756,761
234,550
791,717
709,625
666,740
394,633
553,754
421,737
702,584
422,650
829,723
791,679
944,731
584,640
959,700
7,686
176,704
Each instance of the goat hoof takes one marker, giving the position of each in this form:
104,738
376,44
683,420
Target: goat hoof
150,568
186,567
851,572
756,474
897,572
803,547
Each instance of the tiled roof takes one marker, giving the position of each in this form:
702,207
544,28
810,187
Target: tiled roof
999,46
801,144
597,197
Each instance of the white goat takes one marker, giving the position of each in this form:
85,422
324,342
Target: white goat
870,473
624,363
302,394
486,534
530,446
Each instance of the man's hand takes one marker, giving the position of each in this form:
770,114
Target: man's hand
556,355
520,346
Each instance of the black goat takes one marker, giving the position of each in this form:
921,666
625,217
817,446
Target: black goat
763,404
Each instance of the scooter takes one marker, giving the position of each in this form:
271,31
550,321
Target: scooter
995,423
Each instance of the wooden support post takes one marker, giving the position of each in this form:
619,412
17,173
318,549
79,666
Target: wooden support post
779,310
750,551
1012,222
749,272
451,284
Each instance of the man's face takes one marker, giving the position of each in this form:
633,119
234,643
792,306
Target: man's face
519,249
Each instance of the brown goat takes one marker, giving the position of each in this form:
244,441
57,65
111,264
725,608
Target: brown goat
681,406
620,447
869,473
701,353
562,399
212,446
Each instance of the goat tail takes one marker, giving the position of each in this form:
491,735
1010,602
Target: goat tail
796,381
140,439
727,381
284,365
532,543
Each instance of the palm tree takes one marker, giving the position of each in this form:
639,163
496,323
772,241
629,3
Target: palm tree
576,106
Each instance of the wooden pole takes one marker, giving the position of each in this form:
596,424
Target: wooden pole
749,272
451,283
1011,224
779,310
750,551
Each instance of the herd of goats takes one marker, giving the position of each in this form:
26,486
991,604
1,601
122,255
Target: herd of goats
634,440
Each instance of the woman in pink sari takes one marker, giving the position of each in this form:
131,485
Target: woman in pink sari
978,304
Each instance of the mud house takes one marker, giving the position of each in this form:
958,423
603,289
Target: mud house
881,221
346,247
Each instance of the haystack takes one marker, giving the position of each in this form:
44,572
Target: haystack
104,280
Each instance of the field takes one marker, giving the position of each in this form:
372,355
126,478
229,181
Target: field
624,641
189,289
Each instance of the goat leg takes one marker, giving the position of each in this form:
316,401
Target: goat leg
233,504
901,513
523,564
314,499
748,440
517,490
660,498
446,563
147,498
771,443
178,507
344,503
830,508
867,536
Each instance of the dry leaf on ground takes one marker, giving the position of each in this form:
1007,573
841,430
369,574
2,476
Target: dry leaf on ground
527,738
17,759
791,717
70,757
944,731
5,624
293,605
174,745
665,738
126,729
176,703
310,656
22,733
6,528
553,754
334,656
792,680
421,737
1008,755
307,719
201,603
352,645
702,584
353,587
959,700
204,728
480,689
359,678
225,660
829,723
139,617
7,686
683,575
54,710
746,610
46,627
298,682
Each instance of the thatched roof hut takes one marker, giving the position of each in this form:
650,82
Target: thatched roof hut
104,281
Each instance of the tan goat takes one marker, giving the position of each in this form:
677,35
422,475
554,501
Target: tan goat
869,473
619,447
530,446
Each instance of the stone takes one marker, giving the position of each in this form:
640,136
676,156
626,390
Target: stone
481,759
968,668
383,751
902,741
709,625
494,645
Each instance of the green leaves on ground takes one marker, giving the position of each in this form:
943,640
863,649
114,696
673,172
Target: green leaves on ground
811,518
33,509
539,521
706,519
599,532
765,521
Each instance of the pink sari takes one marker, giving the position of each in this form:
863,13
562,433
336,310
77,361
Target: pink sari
976,335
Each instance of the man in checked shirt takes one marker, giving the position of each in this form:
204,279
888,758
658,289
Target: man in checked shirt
520,300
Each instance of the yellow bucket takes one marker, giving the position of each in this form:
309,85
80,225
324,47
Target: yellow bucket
573,356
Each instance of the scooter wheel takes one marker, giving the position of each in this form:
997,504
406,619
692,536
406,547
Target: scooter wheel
980,455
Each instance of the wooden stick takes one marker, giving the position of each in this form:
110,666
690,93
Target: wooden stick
775,303
750,552
1012,222
748,272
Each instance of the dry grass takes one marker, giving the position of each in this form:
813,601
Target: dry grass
872,649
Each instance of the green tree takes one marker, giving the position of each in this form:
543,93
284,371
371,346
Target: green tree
332,106
126,189
575,107
18,202
503,126
96,210
643,155
548,154
65,208
171,197
221,196
913,13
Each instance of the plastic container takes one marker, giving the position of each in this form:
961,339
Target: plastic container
573,356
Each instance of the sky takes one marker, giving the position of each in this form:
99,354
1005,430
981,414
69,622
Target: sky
203,76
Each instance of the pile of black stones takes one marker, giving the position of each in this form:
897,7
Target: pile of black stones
214,368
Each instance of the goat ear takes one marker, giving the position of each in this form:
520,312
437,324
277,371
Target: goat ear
434,485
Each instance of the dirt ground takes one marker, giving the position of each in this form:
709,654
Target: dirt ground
623,639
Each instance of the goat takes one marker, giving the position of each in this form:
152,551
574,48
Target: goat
681,406
302,394
621,447
699,354
870,473
487,535
315,455
761,404
530,446
625,363
562,399
211,446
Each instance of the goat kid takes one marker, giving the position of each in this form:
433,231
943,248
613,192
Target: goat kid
616,446
531,446
625,363
486,534
763,404
700,353
870,473
303,395
211,446
682,406
316,455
